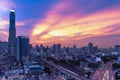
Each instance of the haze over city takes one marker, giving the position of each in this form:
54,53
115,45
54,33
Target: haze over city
59,40
64,21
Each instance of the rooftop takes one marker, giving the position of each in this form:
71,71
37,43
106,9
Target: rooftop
12,10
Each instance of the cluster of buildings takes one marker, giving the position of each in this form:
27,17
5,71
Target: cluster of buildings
17,46
14,62
16,55
3,47
88,58
65,52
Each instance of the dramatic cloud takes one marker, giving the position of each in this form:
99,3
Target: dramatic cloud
65,21
58,27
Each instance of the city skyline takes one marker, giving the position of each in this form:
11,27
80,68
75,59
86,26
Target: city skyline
63,21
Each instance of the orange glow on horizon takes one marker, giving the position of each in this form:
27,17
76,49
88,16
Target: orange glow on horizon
67,28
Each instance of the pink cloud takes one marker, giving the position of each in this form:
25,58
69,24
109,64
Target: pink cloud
57,28
3,35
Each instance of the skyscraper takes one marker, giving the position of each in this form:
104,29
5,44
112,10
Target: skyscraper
12,34
22,47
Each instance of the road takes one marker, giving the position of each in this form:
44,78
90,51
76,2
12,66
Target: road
78,77
104,73
61,68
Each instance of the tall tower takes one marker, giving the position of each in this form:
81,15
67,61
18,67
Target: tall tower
12,34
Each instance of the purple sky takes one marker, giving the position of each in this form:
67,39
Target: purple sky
67,22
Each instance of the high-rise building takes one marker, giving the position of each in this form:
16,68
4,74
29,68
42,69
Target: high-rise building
117,48
57,48
22,47
12,34
90,47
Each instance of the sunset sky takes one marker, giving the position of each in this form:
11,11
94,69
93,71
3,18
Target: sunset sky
67,22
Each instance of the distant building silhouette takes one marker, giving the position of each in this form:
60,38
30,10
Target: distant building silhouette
117,48
12,34
3,46
90,47
57,48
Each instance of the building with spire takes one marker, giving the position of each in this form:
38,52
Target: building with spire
12,34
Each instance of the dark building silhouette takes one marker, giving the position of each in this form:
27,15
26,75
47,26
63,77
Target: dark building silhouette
22,47
12,34
117,48
90,47
57,48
